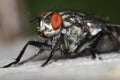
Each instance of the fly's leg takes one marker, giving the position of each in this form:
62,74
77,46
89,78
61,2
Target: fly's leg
51,54
33,43
48,59
53,50
95,43
31,58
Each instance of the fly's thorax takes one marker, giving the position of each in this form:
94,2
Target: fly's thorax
73,35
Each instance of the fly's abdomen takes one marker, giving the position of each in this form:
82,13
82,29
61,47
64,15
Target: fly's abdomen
106,45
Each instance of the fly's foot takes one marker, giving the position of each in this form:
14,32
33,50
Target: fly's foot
10,64
96,56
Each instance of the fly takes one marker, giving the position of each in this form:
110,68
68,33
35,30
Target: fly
73,33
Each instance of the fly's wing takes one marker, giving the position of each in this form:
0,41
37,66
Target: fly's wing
114,28
106,45
108,40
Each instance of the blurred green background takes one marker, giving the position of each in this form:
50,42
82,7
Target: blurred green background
102,8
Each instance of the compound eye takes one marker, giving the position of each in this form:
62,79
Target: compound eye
56,21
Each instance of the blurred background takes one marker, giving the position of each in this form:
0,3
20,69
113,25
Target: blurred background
15,31
15,14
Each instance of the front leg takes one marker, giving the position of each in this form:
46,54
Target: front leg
53,50
33,43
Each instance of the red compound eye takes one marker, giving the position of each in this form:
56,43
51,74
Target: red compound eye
56,21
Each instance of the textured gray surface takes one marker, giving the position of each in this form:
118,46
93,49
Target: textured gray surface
82,68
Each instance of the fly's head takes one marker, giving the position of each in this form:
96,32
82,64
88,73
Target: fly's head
49,24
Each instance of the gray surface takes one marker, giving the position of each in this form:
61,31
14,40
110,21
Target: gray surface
83,68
